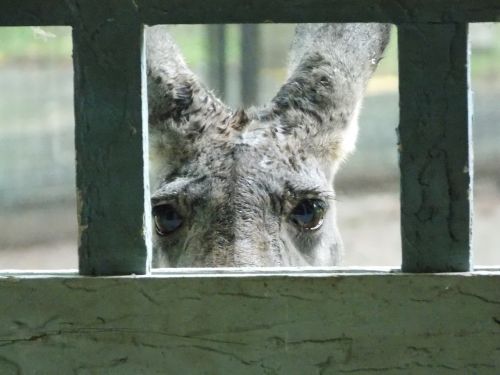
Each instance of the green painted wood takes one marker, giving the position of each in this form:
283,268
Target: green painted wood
328,324
111,140
257,11
435,148
36,12
62,12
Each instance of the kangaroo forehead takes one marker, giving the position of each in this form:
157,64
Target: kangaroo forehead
251,145
242,170
241,160
221,167
223,187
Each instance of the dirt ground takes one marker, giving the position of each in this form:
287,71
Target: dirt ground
369,225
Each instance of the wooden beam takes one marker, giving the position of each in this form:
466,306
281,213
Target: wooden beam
331,324
435,148
65,12
286,11
36,12
111,140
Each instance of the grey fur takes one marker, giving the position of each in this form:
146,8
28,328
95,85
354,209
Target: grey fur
235,176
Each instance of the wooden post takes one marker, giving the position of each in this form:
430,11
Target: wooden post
435,147
111,140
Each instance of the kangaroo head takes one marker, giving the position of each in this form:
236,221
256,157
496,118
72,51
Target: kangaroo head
255,187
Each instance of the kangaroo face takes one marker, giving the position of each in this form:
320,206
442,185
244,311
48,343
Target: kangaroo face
246,196
254,188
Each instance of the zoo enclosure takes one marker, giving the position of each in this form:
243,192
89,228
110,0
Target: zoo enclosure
111,144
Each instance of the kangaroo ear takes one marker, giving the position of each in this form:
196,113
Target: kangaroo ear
330,65
175,94
180,108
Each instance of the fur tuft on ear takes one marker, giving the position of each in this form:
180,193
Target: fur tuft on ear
239,120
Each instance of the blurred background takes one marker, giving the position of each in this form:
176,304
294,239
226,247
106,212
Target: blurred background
245,65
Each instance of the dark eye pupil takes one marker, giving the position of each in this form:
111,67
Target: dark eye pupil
308,214
167,219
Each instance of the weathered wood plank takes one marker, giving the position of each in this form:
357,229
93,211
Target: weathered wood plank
35,12
59,12
391,324
111,140
257,11
435,148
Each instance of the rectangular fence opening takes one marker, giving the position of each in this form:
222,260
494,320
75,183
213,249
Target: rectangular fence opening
485,69
245,66
38,228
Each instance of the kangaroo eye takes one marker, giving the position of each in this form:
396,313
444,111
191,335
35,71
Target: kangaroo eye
308,214
167,219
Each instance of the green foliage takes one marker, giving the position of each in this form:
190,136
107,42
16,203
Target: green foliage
484,61
35,43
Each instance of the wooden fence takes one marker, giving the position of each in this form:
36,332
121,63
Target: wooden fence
264,321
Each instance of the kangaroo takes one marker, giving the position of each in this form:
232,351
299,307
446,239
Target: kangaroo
254,187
